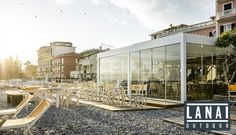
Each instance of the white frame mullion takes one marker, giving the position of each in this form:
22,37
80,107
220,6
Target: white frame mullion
129,75
183,70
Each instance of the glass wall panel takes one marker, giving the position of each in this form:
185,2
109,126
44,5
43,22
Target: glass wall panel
114,70
122,69
135,67
203,72
146,65
157,86
172,72
219,85
146,68
194,71
208,72
159,68
105,75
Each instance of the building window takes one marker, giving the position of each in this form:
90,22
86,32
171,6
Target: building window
227,27
233,25
154,36
227,6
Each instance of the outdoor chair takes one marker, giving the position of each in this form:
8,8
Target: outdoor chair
139,94
19,107
153,89
28,121
112,94
68,97
232,92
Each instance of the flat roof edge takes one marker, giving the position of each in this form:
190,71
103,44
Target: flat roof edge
168,40
164,41
199,39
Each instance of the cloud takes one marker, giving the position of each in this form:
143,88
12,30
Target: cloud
99,2
158,14
154,14
116,19
63,2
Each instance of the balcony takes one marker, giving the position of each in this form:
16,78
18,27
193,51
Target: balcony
226,13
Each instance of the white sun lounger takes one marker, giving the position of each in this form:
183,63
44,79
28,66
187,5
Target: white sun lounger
15,111
29,120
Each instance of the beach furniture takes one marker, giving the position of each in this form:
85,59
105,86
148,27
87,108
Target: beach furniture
139,94
69,96
29,120
14,97
232,94
19,107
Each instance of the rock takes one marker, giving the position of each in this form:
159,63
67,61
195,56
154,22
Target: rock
87,119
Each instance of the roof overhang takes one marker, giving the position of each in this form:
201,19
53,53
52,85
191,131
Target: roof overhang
164,41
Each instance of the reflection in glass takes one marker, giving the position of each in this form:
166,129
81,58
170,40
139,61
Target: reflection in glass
203,72
135,67
157,86
146,65
114,70
172,72
159,68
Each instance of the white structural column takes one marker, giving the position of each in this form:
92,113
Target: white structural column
129,75
98,78
183,68
217,17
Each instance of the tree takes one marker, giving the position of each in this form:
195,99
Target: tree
227,40
10,68
30,70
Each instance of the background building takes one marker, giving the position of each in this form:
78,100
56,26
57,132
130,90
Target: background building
44,62
46,53
61,48
224,20
203,28
62,65
87,65
225,15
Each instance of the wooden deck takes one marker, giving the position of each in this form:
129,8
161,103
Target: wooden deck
117,108
163,104
180,121
175,120
231,132
233,117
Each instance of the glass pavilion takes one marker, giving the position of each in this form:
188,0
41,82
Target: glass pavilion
175,68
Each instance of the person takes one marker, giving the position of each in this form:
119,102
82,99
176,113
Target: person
191,76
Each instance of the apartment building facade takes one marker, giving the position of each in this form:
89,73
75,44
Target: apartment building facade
225,15
46,53
44,62
63,64
87,65
178,64
224,20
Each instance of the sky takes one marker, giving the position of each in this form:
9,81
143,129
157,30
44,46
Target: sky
26,25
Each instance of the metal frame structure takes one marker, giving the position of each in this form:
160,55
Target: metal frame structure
179,38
